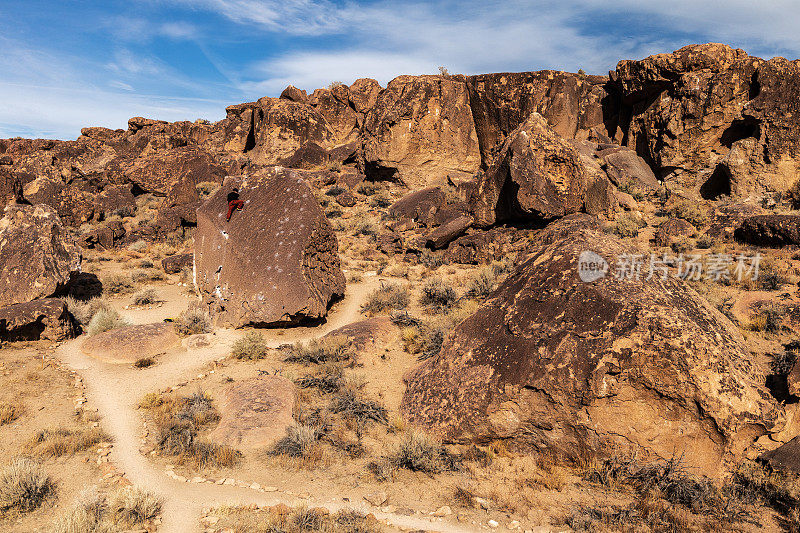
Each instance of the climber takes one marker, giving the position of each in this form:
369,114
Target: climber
233,203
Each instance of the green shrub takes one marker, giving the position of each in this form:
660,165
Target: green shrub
105,319
252,346
693,212
83,310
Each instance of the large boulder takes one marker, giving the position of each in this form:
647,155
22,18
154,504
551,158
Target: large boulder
36,255
571,104
46,319
421,131
73,205
556,363
276,261
256,412
537,175
712,118
770,230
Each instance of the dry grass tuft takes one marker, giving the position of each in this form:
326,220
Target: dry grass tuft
8,413
125,509
329,349
193,322
389,297
24,486
49,443
117,284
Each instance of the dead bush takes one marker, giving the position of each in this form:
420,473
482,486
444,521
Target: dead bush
147,296
389,297
437,295
117,284
328,349
349,405
420,453
24,486
193,322
329,378
299,441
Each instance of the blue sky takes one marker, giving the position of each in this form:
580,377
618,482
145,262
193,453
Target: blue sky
68,64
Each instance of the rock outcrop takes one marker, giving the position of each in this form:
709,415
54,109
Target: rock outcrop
537,175
712,119
421,131
557,363
36,255
276,261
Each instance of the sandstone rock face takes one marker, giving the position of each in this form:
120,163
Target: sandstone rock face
256,412
127,344
537,175
73,206
712,119
46,319
558,363
419,206
571,104
36,257
276,261
421,130
770,230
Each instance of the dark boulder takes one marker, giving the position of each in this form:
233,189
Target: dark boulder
446,233
672,228
537,175
276,260
770,230
36,254
603,365
175,263
46,319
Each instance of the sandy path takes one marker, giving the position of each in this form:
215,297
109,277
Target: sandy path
117,389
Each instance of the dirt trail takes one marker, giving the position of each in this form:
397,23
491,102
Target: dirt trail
117,389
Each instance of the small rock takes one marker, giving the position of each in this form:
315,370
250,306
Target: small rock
493,524
443,511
